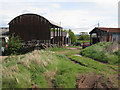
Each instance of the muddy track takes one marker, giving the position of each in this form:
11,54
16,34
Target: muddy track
93,81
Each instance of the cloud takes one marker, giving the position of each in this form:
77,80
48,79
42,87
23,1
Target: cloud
55,5
78,19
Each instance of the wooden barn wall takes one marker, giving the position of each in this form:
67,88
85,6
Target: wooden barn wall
30,27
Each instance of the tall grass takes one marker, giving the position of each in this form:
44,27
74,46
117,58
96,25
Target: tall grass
48,69
98,52
39,68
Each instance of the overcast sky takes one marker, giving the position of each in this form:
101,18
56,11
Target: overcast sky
78,15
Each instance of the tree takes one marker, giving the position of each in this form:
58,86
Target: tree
84,36
72,37
14,45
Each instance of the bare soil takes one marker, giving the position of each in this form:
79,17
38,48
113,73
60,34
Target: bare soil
93,81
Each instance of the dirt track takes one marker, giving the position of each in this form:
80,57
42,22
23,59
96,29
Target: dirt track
93,81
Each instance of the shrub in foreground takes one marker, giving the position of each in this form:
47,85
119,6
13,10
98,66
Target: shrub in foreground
14,45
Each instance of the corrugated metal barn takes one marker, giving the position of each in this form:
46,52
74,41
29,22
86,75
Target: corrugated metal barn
34,27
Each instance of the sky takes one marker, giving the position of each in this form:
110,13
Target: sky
77,15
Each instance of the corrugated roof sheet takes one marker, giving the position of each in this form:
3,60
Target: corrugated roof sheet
114,30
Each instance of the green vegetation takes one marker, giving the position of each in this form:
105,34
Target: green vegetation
58,30
83,41
39,68
14,45
98,52
72,37
50,68
117,52
84,36
57,49
92,64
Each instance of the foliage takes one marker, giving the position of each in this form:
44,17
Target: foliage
37,67
117,52
45,67
90,63
72,37
84,36
58,30
98,52
14,44
57,49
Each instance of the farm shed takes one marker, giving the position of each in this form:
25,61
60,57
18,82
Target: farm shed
33,27
65,38
102,34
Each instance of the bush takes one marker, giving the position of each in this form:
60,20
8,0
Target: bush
84,36
98,52
14,45
117,52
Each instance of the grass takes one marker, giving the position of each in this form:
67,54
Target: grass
95,65
98,52
57,49
37,67
50,68
108,70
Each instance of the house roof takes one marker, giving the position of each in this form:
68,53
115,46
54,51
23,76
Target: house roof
112,30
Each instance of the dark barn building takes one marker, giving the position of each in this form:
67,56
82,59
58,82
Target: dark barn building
102,34
34,27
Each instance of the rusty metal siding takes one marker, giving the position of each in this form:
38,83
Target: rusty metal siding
30,26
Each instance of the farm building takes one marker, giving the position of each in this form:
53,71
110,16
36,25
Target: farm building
33,27
4,33
65,38
101,34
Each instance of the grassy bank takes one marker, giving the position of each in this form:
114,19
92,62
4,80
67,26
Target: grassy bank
42,68
109,71
50,68
98,52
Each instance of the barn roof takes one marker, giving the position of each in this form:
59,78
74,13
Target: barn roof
51,22
54,23
112,30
